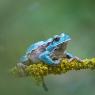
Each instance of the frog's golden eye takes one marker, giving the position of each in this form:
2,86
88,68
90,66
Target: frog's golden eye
56,39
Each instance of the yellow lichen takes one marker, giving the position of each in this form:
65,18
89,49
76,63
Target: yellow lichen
39,70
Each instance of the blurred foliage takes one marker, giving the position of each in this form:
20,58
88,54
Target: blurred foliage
23,22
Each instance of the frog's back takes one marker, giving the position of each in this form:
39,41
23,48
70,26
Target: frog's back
34,46
29,50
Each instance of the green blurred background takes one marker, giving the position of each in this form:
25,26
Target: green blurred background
23,22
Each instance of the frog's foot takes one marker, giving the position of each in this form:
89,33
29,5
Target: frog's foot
56,62
21,68
75,58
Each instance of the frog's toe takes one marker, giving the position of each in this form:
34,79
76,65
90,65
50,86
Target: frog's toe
20,65
57,62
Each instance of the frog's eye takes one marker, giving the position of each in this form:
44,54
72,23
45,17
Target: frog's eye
56,39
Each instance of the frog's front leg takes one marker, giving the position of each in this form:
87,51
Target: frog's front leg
71,57
45,57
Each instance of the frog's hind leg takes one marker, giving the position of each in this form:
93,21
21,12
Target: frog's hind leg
45,57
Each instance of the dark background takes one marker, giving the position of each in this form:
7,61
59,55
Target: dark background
23,22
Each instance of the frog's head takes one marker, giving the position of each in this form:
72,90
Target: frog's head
59,42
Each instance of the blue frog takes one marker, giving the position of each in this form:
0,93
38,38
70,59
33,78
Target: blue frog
50,51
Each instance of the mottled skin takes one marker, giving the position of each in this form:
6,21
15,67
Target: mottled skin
50,51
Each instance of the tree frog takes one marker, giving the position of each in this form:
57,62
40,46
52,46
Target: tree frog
49,51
